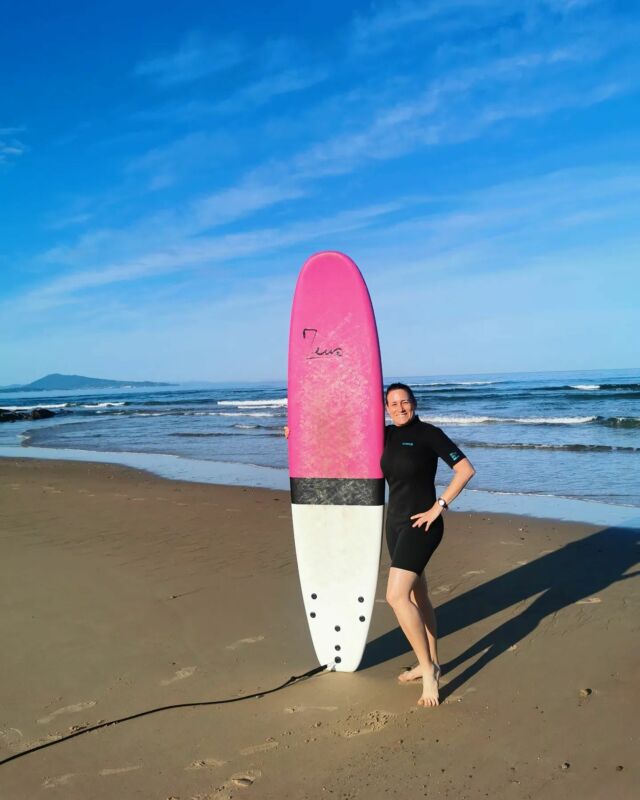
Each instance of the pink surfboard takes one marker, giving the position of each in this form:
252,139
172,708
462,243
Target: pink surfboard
336,424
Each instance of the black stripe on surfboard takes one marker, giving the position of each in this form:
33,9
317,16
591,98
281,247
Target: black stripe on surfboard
337,491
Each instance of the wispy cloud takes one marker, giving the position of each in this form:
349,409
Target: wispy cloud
279,73
390,115
371,33
509,241
517,218
169,227
384,27
489,230
195,58
188,254
69,221
267,88
10,146
178,160
460,105
237,202
454,108
405,114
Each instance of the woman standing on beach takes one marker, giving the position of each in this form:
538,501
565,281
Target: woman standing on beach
414,526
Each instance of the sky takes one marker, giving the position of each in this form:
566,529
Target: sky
166,169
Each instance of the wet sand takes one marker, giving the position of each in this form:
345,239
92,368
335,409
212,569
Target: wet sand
123,591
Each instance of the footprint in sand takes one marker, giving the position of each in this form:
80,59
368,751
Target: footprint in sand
12,738
242,780
118,770
206,763
588,601
228,789
473,572
259,748
74,709
181,674
249,640
441,589
61,780
372,722
458,698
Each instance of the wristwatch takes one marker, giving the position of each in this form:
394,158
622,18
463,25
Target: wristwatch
443,503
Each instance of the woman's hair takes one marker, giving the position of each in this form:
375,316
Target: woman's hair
393,386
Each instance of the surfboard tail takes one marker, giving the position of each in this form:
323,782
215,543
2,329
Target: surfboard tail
338,590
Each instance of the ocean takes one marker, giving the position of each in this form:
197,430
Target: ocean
570,436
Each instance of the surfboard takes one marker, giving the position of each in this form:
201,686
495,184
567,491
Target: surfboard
336,435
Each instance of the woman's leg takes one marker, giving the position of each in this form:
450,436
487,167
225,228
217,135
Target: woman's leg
420,596
399,588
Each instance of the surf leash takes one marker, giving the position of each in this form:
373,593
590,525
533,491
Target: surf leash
293,679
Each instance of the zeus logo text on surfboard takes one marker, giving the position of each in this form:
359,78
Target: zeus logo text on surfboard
309,334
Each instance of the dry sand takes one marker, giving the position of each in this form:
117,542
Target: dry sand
122,592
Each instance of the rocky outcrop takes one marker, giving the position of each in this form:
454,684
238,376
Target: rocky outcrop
41,413
15,416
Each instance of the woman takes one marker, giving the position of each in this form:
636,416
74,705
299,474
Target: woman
415,526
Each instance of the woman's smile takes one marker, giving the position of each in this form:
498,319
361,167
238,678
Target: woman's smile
400,408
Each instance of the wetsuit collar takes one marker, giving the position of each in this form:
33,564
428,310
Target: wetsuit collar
413,421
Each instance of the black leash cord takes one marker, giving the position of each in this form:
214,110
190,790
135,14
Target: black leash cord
292,679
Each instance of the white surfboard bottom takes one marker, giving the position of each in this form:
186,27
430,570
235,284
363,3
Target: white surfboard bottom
338,552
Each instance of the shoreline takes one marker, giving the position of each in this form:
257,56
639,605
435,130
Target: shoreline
124,591
179,468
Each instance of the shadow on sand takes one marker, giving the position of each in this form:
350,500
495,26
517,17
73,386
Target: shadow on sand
573,572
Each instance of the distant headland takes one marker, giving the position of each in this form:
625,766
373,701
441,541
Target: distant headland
56,382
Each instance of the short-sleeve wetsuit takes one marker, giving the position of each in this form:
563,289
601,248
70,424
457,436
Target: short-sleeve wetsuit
409,462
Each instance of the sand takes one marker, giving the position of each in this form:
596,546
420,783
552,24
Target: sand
122,592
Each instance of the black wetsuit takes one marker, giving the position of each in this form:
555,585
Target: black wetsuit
409,462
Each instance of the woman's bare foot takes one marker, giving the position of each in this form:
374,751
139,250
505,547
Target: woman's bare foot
430,679
409,675
415,674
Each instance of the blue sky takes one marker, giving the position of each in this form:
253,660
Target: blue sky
165,170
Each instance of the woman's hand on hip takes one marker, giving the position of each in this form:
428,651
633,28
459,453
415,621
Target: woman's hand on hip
426,517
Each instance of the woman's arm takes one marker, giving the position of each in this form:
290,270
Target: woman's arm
463,471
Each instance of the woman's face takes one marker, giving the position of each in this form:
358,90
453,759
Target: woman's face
399,407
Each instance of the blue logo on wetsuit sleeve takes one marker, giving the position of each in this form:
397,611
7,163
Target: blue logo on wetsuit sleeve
454,456
408,444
